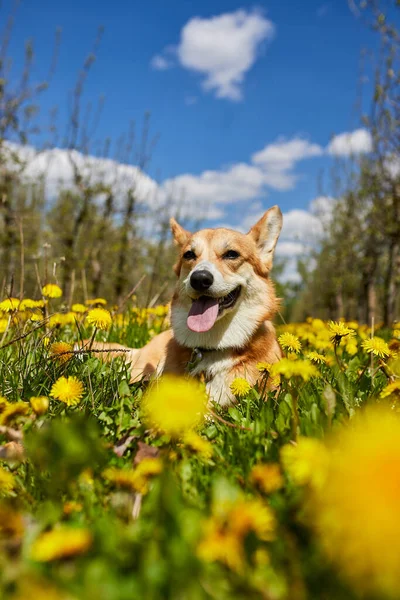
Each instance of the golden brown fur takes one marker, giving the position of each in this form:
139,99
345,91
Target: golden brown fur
242,335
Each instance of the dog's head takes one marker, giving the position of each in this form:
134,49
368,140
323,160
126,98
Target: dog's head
224,291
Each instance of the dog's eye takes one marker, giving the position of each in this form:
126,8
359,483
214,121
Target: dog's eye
189,255
231,255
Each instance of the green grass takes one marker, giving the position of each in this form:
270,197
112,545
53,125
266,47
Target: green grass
155,556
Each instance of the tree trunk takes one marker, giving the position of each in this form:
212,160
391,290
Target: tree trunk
120,281
391,283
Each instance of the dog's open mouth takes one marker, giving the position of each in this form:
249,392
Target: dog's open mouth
205,310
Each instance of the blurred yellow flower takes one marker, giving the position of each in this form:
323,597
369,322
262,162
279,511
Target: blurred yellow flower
392,388
61,350
198,444
3,325
240,387
222,545
67,389
27,303
351,347
305,462
290,342
263,367
174,404
13,410
95,301
99,317
11,522
6,481
62,319
356,511
79,308
71,506
40,404
294,368
252,515
225,531
9,305
51,290
376,346
268,477
136,480
63,542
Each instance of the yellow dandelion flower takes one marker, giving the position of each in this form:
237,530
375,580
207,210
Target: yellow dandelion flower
35,318
240,387
263,367
252,516
268,477
63,542
295,368
61,351
99,317
175,404
6,481
317,358
12,411
33,587
317,324
40,404
95,301
220,545
28,304
71,507
305,462
79,308
3,325
376,346
290,342
68,389
339,330
356,512
351,347
3,404
68,318
224,533
137,479
11,522
9,305
56,320
51,290
198,444
391,389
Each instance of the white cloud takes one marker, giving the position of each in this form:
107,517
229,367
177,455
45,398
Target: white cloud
160,63
238,182
301,232
223,49
351,143
197,197
277,160
284,153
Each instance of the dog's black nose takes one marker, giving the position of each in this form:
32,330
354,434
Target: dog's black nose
201,280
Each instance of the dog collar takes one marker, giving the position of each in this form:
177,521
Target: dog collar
197,356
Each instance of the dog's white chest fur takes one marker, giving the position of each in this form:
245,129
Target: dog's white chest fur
216,366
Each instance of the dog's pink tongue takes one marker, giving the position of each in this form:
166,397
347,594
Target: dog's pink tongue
203,314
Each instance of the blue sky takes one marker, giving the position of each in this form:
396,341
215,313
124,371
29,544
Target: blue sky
285,71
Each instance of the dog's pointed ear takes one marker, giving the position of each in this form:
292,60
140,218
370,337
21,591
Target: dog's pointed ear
266,232
180,234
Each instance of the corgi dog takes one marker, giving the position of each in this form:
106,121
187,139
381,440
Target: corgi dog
221,310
